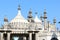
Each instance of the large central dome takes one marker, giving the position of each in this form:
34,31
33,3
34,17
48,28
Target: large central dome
19,17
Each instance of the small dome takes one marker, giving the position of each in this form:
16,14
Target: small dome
37,19
5,19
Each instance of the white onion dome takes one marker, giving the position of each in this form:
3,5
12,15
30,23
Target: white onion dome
37,19
19,17
5,19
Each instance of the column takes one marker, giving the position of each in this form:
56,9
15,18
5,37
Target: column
2,36
36,36
30,36
45,24
24,38
8,36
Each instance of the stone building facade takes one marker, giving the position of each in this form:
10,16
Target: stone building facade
30,28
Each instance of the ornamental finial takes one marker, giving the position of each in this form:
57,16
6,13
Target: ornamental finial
19,7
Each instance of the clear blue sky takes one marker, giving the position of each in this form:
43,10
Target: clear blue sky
8,8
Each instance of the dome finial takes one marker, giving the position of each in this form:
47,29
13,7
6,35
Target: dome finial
5,19
30,10
19,7
36,18
45,16
54,20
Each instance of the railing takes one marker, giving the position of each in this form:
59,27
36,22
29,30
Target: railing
25,26
22,27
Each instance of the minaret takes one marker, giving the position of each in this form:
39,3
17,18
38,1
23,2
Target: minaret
41,18
5,22
30,17
54,22
45,20
19,12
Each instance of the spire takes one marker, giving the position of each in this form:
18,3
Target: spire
19,7
37,19
45,17
5,19
45,21
54,20
30,13
41,18
30,17
19,10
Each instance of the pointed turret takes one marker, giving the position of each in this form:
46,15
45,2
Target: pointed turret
30,17
37,20
41,18
19,10
30,14
5,19
45,17
45,20
5,22
19,7
54,20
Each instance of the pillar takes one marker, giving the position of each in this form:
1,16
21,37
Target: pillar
8,36
30,36
36,36
24,38
45,24
2,36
